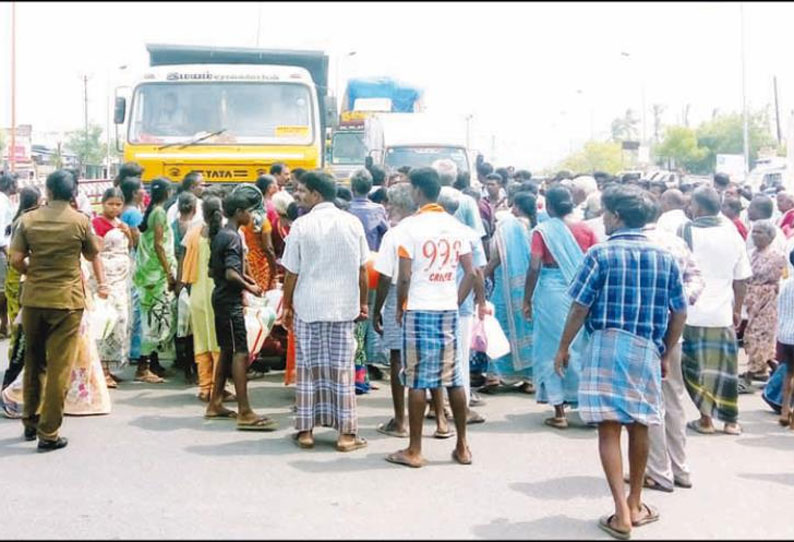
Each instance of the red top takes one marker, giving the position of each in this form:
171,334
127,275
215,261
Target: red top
741,227
787,223
102,225
584,235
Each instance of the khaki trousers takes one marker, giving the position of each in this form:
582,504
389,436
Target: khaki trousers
667,453
51,347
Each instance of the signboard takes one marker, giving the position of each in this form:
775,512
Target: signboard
732,164
22,145
630,145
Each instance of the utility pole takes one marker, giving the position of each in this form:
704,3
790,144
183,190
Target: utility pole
258,22
777,110
85,79
744,95
12,151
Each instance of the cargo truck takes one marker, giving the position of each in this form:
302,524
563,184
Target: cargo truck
229,113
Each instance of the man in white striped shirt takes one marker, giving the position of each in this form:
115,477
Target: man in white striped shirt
326,288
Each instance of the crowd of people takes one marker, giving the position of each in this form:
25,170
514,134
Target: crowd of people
619,298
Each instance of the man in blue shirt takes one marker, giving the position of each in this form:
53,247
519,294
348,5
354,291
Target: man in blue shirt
629,295
372,215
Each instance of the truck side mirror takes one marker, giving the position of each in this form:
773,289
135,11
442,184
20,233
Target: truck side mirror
331,115
120,110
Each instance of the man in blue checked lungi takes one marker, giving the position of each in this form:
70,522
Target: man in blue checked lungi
325,294
431,246
629,294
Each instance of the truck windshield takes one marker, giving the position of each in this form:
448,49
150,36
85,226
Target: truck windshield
414,157
348,148
251,113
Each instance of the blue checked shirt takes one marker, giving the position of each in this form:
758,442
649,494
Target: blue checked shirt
629,284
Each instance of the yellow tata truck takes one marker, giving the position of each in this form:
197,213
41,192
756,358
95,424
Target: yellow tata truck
229,113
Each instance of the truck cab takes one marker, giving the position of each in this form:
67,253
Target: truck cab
229,113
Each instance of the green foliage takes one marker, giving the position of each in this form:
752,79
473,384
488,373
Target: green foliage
594,156
88,147
681,145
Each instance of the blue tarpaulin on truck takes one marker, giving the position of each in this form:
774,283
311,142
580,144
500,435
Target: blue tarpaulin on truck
403,97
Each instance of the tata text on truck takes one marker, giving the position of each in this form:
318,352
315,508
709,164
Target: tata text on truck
229,113
418,140
364,97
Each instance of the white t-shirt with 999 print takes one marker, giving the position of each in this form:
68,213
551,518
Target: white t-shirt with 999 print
434,241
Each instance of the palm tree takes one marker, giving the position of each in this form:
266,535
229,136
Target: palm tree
625,128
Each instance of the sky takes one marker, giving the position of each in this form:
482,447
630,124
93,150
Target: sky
538,78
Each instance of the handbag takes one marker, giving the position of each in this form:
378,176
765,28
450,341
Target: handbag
183,314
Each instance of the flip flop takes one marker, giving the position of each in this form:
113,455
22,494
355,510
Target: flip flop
388,429
603,524
557,423
473,418
228,415
358,443
527,388
653,515
302,444
260,424
650,483
694,425
440,435
399,459
456,457
736,431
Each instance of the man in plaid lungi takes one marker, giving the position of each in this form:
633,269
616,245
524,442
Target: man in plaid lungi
630,296
432,244
325,294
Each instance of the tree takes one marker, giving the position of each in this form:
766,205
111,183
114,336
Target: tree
625,128
88,147
680,144
724,134
594,156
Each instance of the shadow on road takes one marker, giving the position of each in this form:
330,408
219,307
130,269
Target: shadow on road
564,488
559,527
785,478
533,423
778,442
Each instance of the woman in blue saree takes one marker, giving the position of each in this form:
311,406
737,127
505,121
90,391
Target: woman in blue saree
558,247
509,263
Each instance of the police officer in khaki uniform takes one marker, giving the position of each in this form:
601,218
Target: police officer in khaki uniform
46,248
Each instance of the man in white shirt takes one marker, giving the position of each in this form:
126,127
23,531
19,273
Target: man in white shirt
193,182
325,289
432,246
673,203
710,352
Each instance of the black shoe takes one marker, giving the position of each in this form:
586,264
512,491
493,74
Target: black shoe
50,445
156,368
30,433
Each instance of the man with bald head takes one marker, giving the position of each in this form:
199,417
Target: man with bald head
673,202
710,351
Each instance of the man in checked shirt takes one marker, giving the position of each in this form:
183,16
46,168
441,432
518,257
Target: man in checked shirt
667,466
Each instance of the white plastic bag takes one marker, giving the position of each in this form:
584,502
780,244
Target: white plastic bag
103,318
183,314
498,345
258,323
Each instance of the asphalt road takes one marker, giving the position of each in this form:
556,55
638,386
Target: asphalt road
154,468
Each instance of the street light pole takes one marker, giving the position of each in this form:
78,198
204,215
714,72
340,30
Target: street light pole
12,151
744,96
336,77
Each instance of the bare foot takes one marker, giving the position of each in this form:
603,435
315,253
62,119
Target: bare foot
404,457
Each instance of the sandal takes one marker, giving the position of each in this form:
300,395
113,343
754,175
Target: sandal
474,417
694,425
653,515
527,387
389,429
304,443
650,483
223,415
228,397
262,423
557,423
440,435
149,378
110,383
605,524
398,458
784,421
456,457
357,444
732,429
431,414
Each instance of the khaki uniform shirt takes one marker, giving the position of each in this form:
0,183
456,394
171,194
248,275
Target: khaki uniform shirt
54,236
